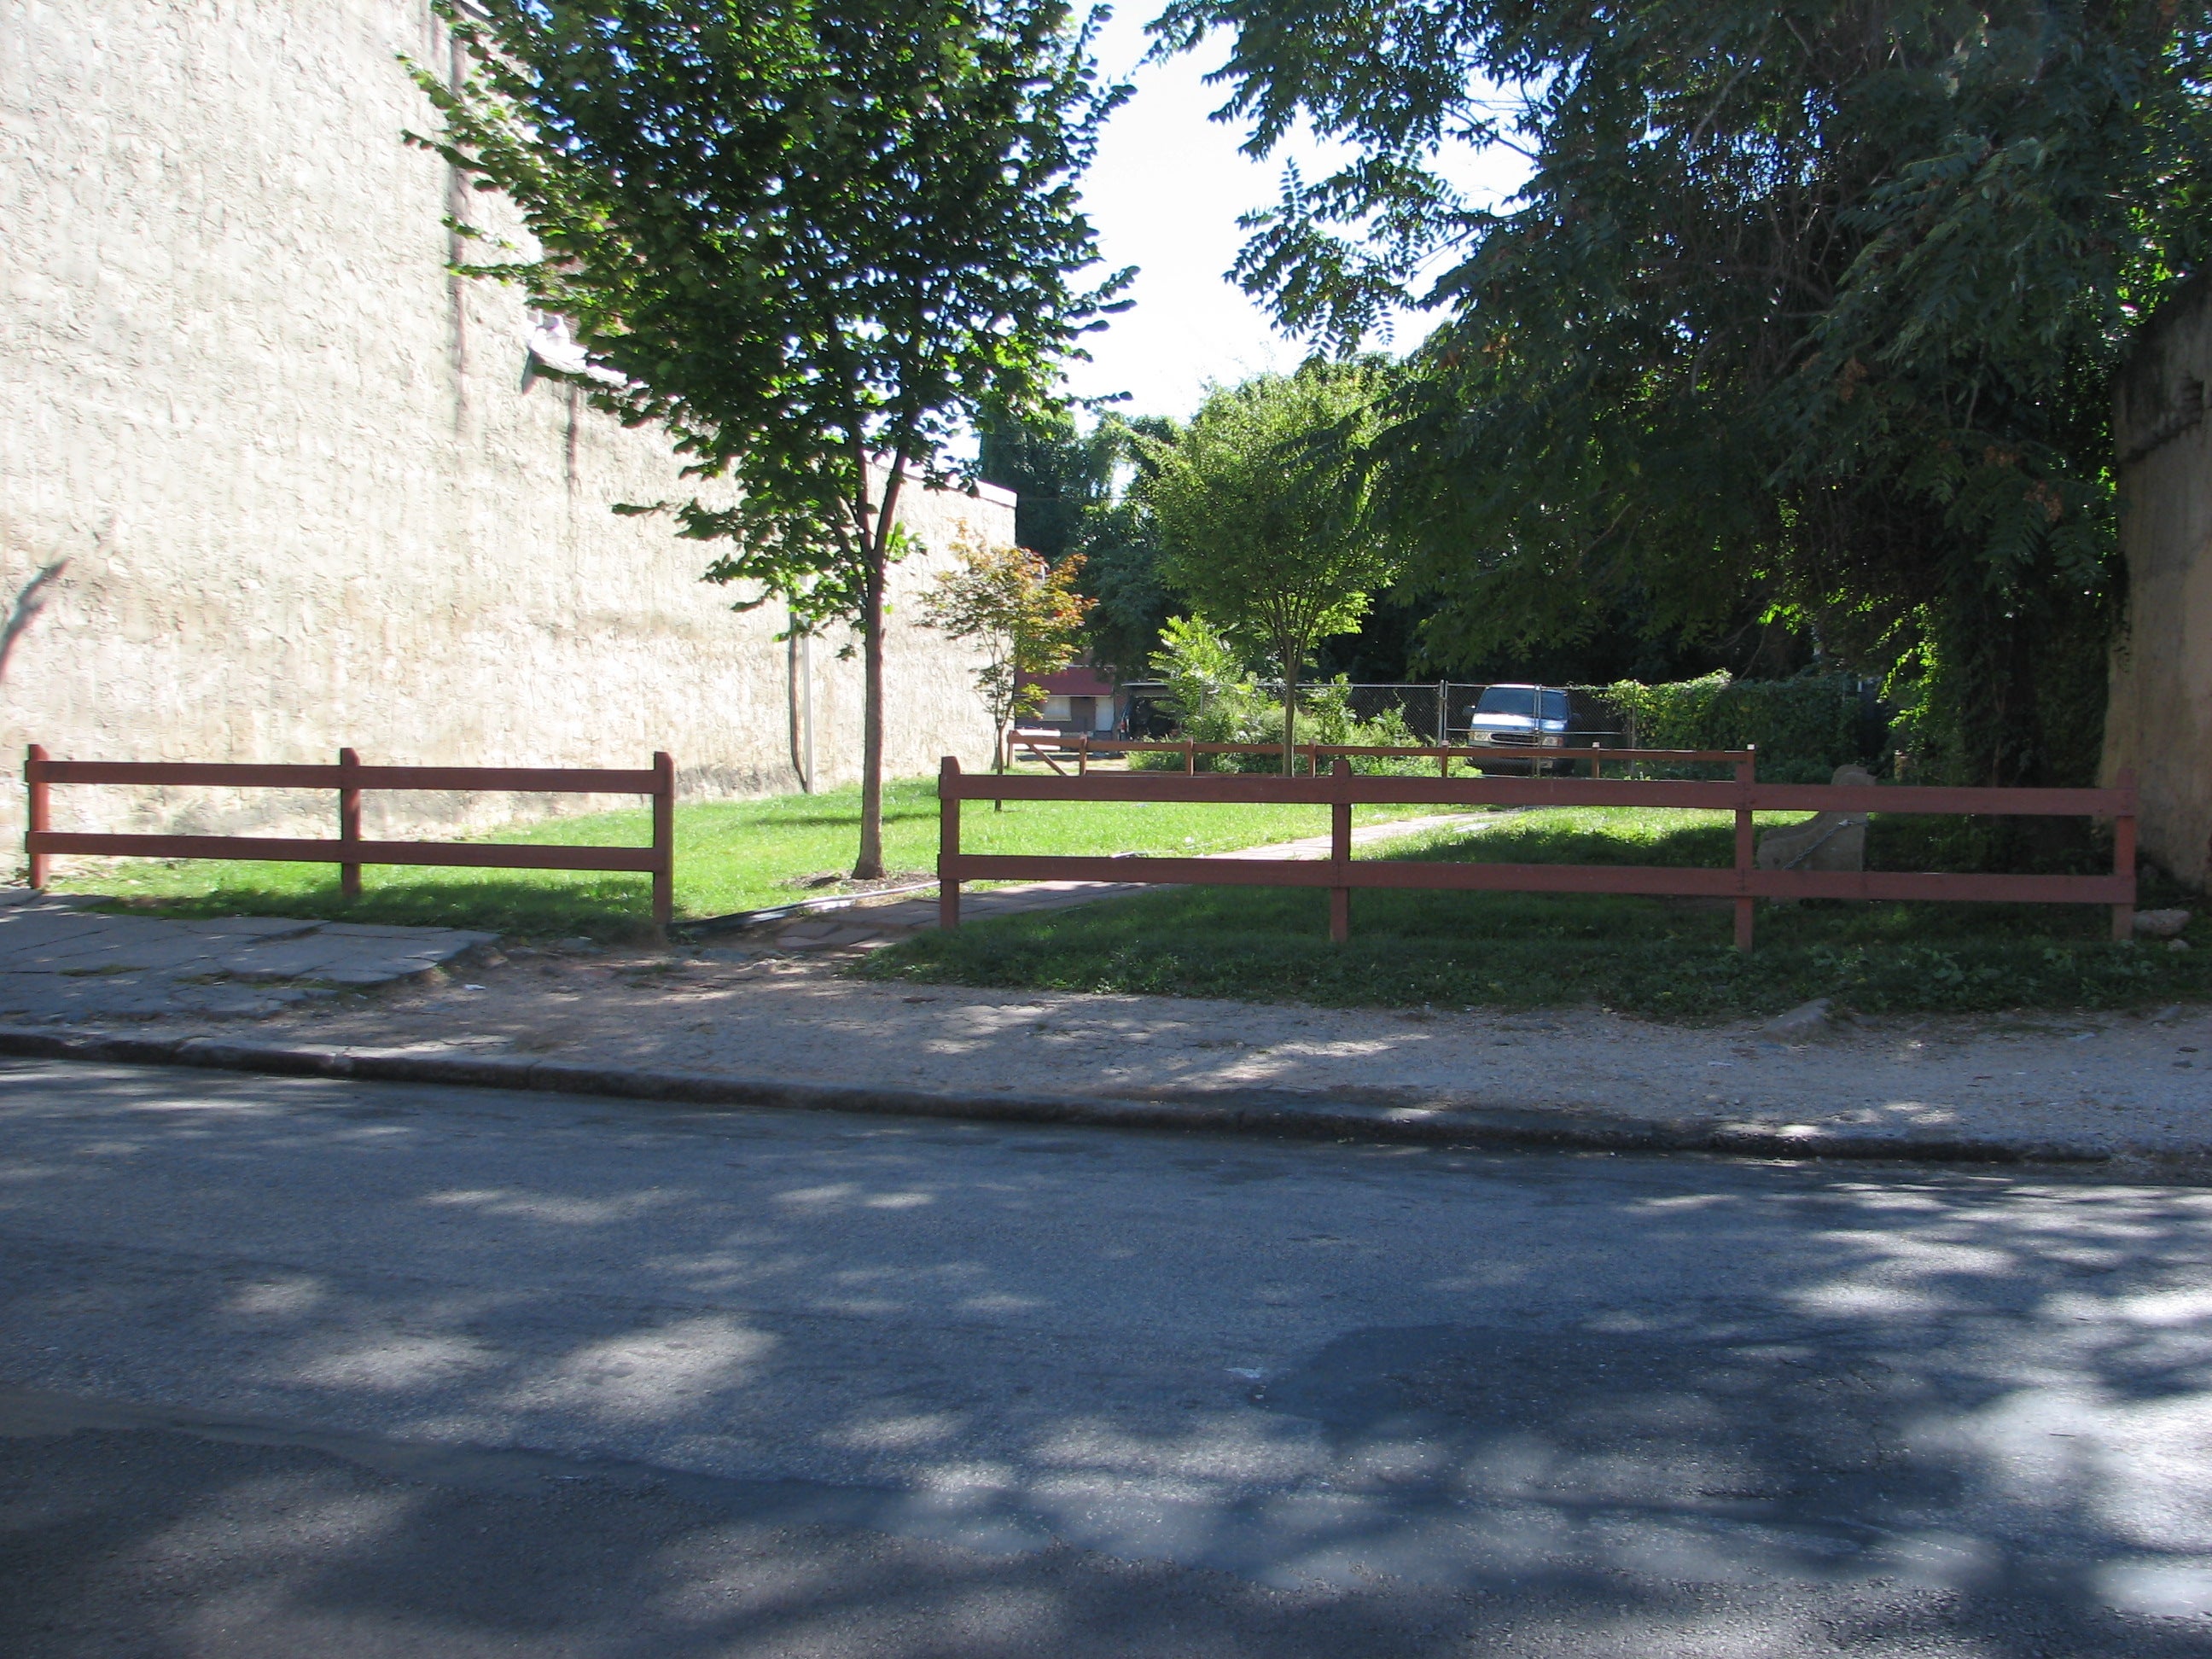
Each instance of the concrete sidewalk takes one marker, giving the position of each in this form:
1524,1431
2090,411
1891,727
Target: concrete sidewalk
774,1017
62,960
763,1026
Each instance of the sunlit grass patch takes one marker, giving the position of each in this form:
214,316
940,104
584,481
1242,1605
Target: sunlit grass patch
730,856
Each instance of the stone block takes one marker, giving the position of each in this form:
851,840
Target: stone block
1827,841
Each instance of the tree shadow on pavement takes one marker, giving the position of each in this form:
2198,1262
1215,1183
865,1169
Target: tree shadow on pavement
603,1380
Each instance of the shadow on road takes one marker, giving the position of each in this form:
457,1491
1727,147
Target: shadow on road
598,1380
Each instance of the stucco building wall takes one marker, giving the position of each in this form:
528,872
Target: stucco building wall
2160,720
273,480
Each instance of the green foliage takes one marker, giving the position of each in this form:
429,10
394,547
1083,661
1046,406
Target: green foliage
1210,687
1061,476
1815,305
1662,959
1217,699
1068,503
1804,727
811,242
1022,613
1263,525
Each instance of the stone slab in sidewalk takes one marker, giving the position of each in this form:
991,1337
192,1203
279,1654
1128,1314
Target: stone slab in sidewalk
61,959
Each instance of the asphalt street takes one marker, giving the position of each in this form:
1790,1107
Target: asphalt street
310,1367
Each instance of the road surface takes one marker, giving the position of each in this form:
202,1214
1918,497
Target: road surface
296,1366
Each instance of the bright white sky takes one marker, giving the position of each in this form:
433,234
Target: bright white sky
1164,195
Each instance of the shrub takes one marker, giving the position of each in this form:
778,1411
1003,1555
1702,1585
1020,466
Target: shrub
1217,700
1804,727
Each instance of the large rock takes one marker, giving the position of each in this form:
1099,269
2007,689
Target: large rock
1827,841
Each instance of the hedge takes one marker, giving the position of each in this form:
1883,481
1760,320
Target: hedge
1804,727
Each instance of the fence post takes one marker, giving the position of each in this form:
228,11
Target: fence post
37,822
664,838
348,824
1082,754
1340,856
2123,854
1444,709
1444,762
1746,774
1189,757
948,842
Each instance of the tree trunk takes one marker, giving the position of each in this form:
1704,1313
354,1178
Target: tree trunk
799,675
998,760
870,864
1290,711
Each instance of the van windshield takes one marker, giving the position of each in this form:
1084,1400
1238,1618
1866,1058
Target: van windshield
1522,700
1507,700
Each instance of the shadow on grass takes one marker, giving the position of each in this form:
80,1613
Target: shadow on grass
1663,957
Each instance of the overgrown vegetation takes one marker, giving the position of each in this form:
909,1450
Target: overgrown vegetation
1811,308
1661,959
1217,698
1804,727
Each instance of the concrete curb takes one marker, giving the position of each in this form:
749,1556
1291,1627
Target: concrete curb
1283,1112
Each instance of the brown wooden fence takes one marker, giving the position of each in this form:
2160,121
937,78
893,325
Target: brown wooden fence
349,850
1742,882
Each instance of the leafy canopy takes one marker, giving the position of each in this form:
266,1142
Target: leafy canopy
1819,300
1262,526
809,237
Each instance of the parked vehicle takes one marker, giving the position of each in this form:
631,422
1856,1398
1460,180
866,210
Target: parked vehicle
1520,718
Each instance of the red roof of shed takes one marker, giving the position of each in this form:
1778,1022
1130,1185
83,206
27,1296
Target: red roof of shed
1080,681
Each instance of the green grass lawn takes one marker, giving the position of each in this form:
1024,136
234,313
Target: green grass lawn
1650,957
730,855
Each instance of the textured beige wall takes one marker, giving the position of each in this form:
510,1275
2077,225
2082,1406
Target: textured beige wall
304,494
2160,721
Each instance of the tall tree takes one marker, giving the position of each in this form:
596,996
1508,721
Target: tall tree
1263,525
1814,302
811,239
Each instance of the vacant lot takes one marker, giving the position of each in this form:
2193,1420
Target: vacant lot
1652,956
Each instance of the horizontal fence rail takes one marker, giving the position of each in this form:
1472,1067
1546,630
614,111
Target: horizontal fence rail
1340,790
1045,746
349,850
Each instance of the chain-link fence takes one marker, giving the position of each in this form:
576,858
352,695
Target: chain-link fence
1434,711
1803,727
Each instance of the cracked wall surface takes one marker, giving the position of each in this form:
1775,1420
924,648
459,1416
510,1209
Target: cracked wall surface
273,481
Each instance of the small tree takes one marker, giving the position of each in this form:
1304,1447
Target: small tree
812,242
1026,615
1262,519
